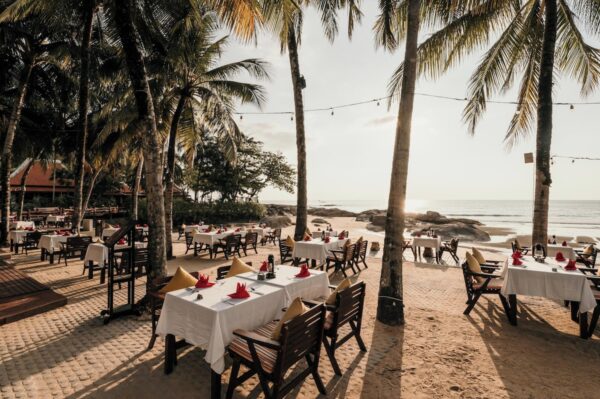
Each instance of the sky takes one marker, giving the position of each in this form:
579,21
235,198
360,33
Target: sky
349,154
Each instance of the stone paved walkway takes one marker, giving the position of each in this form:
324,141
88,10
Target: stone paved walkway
439,353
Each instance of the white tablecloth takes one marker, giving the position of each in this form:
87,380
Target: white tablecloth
212,238
98,252
17,236
317,249
568,252
51,242
427,242
55,218
22,224
191,227
209,323
538,279
262,231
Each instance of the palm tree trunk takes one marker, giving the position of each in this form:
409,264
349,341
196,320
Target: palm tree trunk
135,193
90,190
170,171
157,260
390,306
84,84
9,138
24,187
543,179
302,201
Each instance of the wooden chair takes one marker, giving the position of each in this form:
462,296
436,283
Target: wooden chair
301,338
273,236
360,254
229,246
475,288
74,247
348,310
223,270
189,243
180,232
250,242
140,262
285,252
407,244
30,241
139,234
517,247
342,260
452,248
588,260
156,302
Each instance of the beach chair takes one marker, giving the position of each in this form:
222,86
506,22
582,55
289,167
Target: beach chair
452,248
301,339
475,288
342,259
347,310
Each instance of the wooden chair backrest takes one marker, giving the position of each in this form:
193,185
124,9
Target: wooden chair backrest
160,282
299,336
189,238
468,278
33,237
139,234
349,252
223,270
362,249
78,243
277,233
349,305
454,244
251,238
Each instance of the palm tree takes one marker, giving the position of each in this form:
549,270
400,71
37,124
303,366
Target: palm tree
390,306
200,87
285,18
535,39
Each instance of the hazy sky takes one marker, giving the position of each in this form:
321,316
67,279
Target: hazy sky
350,153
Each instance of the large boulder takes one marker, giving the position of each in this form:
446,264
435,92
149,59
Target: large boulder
376,228
366,216
280,210
378,220
319,221
330,212
462,231
277,222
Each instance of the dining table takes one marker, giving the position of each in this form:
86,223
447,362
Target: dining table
548,279
207,317
317,249
17,237
97,253
22,225
568,252
211,238
434,243
49,243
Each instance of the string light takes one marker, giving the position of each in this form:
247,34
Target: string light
377,101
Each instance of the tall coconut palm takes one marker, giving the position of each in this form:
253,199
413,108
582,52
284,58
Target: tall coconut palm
536,39
285,18
200,86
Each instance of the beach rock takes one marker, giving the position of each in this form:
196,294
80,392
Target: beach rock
376,228
277,221
280,210
319,221
462,231
378,220
367,215
330,212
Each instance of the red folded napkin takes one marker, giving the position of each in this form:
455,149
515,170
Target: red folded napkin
203,282
206,230
303,272
145,225
121,242
307,238
560,257
571,265
517,255
237,230
564,243
224,228
240,292
341,236
417,234
219,231
327,240
517,262
264,267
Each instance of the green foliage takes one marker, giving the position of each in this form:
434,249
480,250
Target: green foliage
185,211
253,170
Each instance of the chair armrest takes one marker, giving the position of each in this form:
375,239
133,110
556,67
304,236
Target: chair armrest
588,269
310,303
485,275
255,338
333,287
493,262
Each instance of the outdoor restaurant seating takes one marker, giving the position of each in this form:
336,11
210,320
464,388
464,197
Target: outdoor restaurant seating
189,241
480,280
587,256
139,264
273,236
451,247
229,246
73,247
300,338
344,307
250,241
285,251
516,246
30,241
407,244
360,253
223,270
342,259
157,299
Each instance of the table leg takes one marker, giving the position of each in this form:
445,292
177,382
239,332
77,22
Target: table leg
512,306
583,325
52,258
313,263
43,255
215,385
574,311
169,353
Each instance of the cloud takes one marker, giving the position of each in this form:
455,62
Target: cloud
383,120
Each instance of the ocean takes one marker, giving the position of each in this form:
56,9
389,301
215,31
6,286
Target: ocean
565,217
